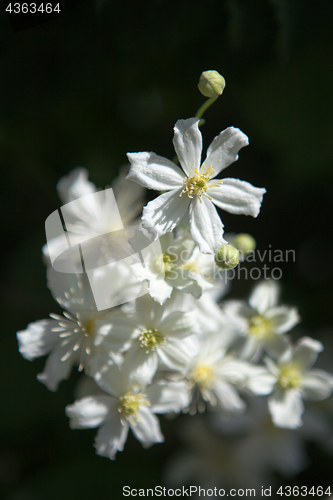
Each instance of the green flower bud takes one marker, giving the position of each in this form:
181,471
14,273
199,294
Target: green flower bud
211,83
245,243
226,257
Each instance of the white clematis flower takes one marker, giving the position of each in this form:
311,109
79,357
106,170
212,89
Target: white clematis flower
125,406
262,322
69,339
180,265
294,381
193,187
157,335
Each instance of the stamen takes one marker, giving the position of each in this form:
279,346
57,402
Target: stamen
151,339
197,184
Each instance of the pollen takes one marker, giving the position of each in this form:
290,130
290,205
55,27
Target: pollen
163,263
259,327
197,184
203,375
151,339
290,377
129,406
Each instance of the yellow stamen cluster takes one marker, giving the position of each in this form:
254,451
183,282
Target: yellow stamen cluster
163,263
129,405
202,375
290,377
259,327
150,339
197,184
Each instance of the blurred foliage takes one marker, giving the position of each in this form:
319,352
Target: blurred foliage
111,77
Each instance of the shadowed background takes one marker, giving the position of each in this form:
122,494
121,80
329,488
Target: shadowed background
112,77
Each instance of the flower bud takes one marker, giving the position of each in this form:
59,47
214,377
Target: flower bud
226,257
245,243
211,83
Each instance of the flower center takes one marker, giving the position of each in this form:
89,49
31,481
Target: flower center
163,263
259,327
150,339
290,377
197,184
129,405
89,328
203,375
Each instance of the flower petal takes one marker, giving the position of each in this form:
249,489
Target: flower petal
111,438
38,339
286,408
164,213
91,411
154,172
224,149
282,318
147,430
237,197
206,225
317,385
306,352
187,141
264,296
168,397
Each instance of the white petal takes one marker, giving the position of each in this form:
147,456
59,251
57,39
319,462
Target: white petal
159,290
187,141
165,212
140,365
91,411
168,397
306,352
317,385
224,149
286,408
154,172
206,225
228,397
147,429
111,438
237,197
282,319
260,382
275,345
177,324
75,185
38,339
56,369
174,356
264,296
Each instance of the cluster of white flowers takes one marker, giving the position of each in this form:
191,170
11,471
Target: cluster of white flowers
167,345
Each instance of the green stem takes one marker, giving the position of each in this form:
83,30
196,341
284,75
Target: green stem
204,107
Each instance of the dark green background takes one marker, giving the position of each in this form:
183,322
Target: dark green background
114,76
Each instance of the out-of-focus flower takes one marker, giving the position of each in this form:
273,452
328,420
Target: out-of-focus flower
294,381
262,322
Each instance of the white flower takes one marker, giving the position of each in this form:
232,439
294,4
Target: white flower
157,338
262,322
193,188
95,218
180,265
125,406
69,339
294,381
214,374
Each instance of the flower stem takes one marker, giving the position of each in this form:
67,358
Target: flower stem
204,107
